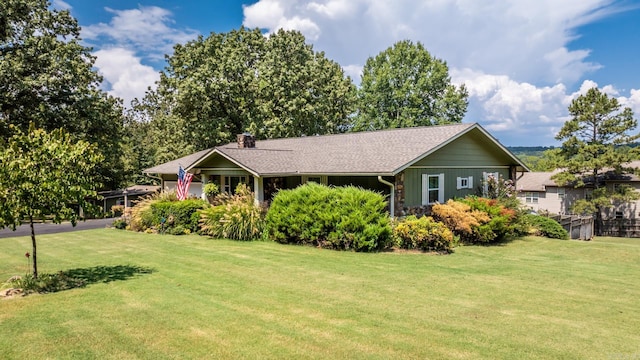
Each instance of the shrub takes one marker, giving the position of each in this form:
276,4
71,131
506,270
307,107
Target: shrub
345,218
119,224
45,283
478,220
117,210
546,227
176,230
183,213
211,190
501,224
423,233
165,212
236,217
459,218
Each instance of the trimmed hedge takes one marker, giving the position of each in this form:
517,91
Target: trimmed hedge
177,213
423,233
546,227
344,218
167,215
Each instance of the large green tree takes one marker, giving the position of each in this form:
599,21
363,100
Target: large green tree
227,83
404,86
594,145
47,78
45,176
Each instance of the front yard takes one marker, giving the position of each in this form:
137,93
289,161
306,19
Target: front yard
203,298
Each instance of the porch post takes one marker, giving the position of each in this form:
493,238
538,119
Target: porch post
203,180
258,188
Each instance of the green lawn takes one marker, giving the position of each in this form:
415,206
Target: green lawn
531,298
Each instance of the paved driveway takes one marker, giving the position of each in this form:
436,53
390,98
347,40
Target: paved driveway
48,228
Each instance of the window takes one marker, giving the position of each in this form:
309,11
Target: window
531,197
619,215
561,193
316,179
432,188
464,183
232,182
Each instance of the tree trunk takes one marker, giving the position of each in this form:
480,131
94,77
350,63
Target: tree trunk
33,244
598,223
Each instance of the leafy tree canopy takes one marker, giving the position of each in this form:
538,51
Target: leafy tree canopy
45,176
593,145
47,78
227,83
405,86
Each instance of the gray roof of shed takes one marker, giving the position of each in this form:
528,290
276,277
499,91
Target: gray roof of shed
383,152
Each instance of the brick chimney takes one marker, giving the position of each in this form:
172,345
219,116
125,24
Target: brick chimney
246,141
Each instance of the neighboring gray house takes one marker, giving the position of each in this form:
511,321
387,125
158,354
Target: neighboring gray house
539,192
415,167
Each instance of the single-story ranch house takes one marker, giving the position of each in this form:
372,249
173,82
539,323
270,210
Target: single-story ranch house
415,167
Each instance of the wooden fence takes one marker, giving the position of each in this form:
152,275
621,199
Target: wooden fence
578,227
621,227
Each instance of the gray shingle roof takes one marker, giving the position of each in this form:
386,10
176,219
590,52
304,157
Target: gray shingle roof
382,152
171,167
371,152
535,181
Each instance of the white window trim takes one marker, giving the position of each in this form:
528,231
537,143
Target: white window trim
460,182
562,193
225,185
531,197
425,188
324,179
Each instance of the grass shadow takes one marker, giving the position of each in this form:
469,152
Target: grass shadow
81,277
105,274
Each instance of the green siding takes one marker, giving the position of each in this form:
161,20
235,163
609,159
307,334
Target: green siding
413,182
472,148
217,161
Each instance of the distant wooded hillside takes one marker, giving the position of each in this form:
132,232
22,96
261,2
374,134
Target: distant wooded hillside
529,150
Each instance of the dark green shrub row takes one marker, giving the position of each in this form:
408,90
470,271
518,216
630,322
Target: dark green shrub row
424,234
345,218
546,227
171,214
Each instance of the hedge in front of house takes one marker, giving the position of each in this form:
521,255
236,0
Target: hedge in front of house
167,215
343,218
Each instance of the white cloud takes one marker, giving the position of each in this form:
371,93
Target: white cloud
132,37
122,70
525,40
513,55
61,5
519,111
148,29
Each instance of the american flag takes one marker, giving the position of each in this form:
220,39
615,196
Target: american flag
184,180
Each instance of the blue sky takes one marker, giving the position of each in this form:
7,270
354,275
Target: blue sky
523,61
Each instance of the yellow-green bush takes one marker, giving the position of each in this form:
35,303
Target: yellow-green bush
423,233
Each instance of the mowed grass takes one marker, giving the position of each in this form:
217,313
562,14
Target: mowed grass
530,298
